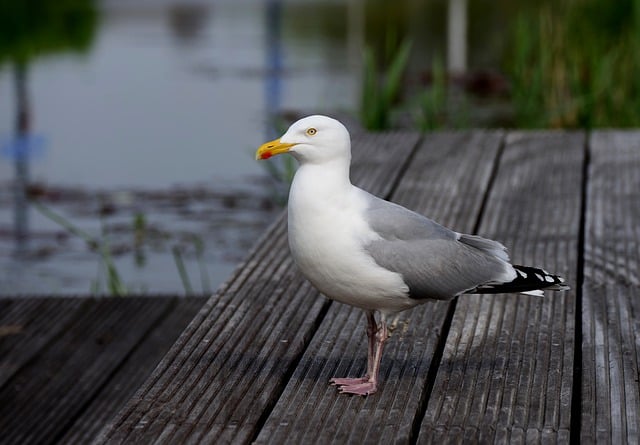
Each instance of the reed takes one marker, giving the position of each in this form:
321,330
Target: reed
574,65
381,87
432,102
108,279
114,284
178,252
182,270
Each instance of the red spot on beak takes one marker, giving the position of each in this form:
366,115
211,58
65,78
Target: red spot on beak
266,155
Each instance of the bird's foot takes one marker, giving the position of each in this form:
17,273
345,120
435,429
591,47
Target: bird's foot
348,381
359,389
359,386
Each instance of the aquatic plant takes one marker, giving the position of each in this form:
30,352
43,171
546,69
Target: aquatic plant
439,105
182,271
114,283
432,102
108,279
575,63
178,251
198,243
140,229
381,86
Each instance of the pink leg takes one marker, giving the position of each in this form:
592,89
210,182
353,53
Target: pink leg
372,329
369,383
371,335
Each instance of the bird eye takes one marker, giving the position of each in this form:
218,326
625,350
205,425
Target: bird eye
311,131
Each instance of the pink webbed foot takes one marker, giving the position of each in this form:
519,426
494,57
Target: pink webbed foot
360,386
348,381
360,389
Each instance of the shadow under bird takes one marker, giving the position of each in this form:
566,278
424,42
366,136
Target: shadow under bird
361,250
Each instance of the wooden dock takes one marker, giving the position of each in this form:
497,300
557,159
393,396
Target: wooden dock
254,364
67,365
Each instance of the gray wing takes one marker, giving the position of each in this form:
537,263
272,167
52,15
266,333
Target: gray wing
435,262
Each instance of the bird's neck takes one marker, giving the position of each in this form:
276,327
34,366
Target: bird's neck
328,180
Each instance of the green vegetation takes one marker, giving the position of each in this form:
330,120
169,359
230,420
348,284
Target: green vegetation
108,279
114,284
31,28
178,251
576,63
381,87
182,270
569,64
432,102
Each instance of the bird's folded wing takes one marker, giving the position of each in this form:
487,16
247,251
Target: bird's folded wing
438,269
435,262
394,222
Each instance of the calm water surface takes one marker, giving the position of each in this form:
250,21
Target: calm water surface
171,98
147,137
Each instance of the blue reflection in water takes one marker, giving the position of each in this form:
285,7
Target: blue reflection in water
23,147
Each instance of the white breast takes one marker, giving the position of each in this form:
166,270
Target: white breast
327,234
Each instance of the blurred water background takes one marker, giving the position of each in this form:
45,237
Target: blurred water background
127,128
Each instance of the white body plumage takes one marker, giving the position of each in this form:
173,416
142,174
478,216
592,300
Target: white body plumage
334,261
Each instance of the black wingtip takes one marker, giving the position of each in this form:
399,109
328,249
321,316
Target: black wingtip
528,279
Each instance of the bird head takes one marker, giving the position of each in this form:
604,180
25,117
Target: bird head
314,139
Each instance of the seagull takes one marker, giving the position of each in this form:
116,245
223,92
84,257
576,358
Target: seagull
370,253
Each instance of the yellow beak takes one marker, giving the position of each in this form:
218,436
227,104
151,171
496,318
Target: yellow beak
272,148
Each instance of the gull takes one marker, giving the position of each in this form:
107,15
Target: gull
370,253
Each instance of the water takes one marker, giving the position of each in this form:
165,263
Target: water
152,111
171,97
148,106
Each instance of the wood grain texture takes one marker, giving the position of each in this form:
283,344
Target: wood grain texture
230,366
28,326
77,348
611,292
507,369
135,367
446,180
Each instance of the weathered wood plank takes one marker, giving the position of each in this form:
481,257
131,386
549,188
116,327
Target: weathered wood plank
39,400
230,366
45,395
28,326
135,368
507,368
446,180
611,292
